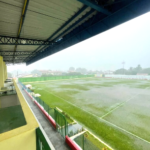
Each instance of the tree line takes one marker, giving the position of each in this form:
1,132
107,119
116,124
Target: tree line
133,71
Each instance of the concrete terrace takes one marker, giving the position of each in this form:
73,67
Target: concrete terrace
11,113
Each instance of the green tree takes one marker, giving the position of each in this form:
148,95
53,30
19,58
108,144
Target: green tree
138,69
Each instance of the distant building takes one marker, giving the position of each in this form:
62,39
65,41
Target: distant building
45,72
109,72
50,72
56,72
27,75
142,74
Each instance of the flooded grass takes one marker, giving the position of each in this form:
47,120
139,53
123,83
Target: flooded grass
86,100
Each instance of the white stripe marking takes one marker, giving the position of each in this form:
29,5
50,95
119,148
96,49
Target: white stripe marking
120,105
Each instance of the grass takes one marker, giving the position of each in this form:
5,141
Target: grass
111,135
96,142
68,118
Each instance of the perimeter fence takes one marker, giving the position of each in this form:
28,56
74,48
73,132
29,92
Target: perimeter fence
33,79
61,123
86,144
45,106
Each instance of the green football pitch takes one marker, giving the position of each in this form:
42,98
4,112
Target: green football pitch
116,110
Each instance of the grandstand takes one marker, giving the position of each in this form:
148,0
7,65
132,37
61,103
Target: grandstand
31,30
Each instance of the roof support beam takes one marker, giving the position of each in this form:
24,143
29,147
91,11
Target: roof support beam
95,26
6,40
64,25
16,53
71,19
24,10
95,6
21,55
9,59
61,34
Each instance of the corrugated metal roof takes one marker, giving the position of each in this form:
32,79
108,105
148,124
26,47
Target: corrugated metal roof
44,17
10,12
26,48
72,22
6,47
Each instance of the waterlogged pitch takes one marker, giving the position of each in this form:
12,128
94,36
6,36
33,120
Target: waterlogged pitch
116,110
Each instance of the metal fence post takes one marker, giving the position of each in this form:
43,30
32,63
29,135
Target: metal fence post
83,141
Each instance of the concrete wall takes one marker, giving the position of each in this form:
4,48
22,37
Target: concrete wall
23,141
1,72
24,137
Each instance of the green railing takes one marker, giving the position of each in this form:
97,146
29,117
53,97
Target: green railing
41,143
33,79
46,107
85,143
61,123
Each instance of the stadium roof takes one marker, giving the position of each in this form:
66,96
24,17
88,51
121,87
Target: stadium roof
33,29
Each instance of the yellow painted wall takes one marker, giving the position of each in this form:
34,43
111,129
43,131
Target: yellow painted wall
24,141
6,71
1,73
4,67
24,137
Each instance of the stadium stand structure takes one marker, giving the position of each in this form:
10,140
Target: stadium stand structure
31,30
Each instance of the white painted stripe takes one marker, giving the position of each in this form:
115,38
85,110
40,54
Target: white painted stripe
123,103
126,131
75,136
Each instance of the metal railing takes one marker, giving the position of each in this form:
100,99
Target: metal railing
41,143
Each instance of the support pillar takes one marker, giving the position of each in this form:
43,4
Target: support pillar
5,71
1,72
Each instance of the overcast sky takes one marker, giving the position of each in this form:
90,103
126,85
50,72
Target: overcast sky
129,42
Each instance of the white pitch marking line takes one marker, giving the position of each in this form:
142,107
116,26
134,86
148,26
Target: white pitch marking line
103,119
126,131
120,105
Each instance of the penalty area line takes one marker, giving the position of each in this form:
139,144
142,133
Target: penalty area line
123,103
